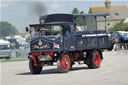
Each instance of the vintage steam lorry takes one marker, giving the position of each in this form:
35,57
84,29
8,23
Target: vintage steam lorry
58,39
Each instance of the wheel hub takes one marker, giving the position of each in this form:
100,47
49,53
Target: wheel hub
65,63
97,59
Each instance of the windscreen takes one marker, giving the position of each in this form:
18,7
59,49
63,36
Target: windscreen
46,30
4,47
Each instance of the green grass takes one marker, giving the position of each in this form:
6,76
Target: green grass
11,60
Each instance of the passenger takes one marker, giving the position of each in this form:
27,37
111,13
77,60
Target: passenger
78,29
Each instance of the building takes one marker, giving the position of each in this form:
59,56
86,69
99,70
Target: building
126,20
116,14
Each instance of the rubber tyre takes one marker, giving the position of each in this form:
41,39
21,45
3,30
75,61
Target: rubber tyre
71,66
34,69
110,48
64,63
7,57
94,60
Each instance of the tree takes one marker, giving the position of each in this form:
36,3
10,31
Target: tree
7,29
75,11
120,27
79,20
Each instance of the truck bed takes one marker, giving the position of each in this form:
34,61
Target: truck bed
89,40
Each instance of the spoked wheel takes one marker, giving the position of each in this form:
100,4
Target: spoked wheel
64,63
94,59
34,69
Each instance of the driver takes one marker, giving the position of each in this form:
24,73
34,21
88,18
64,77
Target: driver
78,29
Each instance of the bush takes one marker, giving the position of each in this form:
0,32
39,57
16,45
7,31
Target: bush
120,27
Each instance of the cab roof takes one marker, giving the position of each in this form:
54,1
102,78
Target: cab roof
63,19
66,17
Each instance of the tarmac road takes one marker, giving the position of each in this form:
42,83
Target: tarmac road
113,71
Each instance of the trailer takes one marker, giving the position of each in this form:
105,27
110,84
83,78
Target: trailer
59,39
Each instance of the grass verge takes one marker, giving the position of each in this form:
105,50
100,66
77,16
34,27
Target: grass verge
11,60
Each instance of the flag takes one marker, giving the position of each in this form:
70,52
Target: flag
56,45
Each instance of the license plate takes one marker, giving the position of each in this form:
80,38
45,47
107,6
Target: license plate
45,58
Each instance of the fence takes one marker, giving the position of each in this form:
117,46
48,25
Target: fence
21,53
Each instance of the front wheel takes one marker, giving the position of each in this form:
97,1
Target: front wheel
34,69
64,63
94,60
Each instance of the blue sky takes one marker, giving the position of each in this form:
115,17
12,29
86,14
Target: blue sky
20,13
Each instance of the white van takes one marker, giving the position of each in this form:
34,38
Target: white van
5,51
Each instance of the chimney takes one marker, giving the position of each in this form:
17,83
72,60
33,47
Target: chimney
108,4
42,19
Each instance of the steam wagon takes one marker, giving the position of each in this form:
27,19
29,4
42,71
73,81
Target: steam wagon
60,38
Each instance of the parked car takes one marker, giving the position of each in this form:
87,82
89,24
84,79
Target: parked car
14,43
5,51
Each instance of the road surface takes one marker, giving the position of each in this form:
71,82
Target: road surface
113,71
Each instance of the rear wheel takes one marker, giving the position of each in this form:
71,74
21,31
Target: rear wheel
64,63
34,69
94,60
